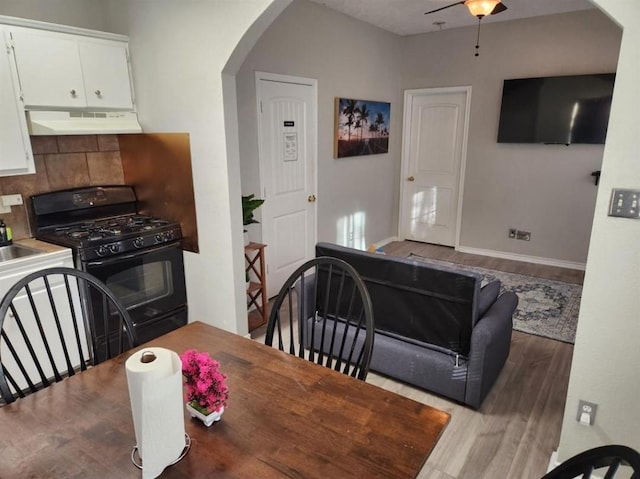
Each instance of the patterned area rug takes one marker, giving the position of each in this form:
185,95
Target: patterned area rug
546,307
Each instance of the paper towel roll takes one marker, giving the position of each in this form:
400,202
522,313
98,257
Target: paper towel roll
154,377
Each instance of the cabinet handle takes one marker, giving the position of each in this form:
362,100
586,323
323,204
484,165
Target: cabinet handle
73,93
98,93
411,178
311,198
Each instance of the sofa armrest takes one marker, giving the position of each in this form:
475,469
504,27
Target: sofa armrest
488,294
490,344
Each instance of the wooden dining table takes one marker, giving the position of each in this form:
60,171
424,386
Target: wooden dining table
286,417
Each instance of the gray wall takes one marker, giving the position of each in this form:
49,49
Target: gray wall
350,59
544,189
77,13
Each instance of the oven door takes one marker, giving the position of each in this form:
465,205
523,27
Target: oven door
151,285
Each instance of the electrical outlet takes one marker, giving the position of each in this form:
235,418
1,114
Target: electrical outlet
586,412
11,200
519,234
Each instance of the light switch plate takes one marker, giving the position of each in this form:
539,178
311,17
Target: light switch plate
625,203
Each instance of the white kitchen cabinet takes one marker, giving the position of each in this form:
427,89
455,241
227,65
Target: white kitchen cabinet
16,156
63,71
14,269
11,272
106,74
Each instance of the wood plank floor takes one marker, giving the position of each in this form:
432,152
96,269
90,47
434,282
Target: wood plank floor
514,433
444,253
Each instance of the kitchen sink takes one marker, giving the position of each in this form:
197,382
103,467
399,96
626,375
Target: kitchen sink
15,251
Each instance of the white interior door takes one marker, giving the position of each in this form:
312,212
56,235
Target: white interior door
434,151
287,138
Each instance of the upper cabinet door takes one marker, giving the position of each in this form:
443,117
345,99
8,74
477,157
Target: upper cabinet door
49,69
16,157
62,71
106,74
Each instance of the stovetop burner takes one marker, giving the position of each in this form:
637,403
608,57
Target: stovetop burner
97,222
110,236
110,228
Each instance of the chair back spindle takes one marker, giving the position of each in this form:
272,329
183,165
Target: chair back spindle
599,462
323,313
47,329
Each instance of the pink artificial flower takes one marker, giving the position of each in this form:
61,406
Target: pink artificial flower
206,385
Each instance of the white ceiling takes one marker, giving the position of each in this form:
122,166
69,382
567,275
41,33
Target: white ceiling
406,17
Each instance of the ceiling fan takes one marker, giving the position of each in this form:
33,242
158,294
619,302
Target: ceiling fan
479,9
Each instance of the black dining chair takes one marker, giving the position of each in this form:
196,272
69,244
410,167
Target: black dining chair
604,461
323,313
49,329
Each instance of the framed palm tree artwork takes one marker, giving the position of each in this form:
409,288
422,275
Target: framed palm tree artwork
361,127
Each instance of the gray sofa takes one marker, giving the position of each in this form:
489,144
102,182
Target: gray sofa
436,328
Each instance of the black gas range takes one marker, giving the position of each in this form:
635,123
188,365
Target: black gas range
138,256
107,237
99,222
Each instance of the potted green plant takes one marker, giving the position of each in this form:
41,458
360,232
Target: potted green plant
249,204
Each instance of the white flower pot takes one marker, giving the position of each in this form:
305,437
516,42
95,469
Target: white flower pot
207,420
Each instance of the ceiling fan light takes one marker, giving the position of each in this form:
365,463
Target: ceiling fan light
481,8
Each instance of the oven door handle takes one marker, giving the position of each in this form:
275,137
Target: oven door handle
137,254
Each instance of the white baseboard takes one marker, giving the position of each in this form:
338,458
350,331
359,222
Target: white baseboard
521,257
504,255
385,242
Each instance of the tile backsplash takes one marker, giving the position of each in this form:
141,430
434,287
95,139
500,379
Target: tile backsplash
62,162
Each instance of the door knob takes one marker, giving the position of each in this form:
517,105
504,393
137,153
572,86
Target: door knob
411,178
311,198
73,93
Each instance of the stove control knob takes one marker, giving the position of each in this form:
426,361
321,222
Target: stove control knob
138,242
114,247
102,250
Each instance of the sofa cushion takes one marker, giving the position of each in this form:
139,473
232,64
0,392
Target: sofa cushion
417,300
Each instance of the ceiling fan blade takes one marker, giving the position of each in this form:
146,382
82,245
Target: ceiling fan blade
448,6
501,7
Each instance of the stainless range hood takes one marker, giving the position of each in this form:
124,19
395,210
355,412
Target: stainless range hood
81,122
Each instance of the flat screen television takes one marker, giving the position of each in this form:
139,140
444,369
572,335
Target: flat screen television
556,110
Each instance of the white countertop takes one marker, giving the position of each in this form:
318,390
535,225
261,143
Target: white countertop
41,245
46,253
